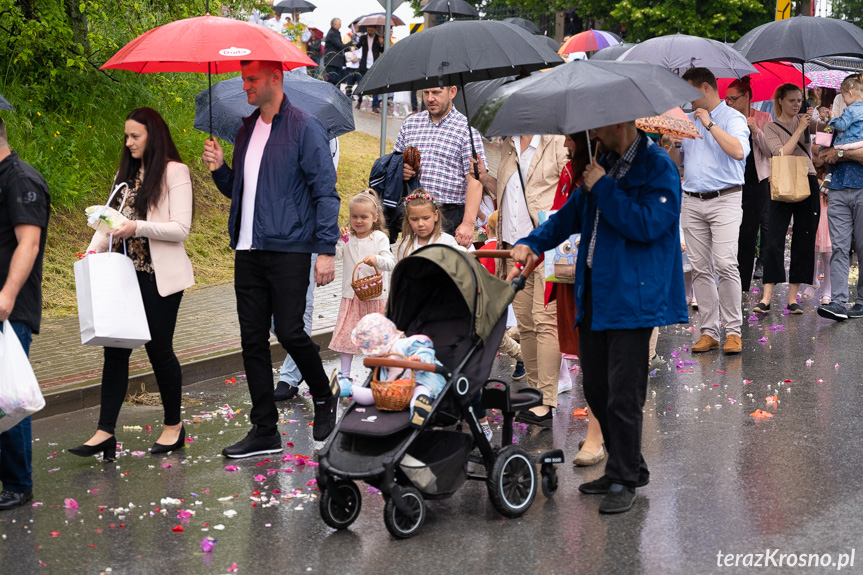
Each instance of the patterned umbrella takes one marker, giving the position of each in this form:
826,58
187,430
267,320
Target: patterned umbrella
589,41
674,122
827,78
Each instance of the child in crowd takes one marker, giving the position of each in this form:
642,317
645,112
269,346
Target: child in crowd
850,123
823,248
377,336
364,241
422,225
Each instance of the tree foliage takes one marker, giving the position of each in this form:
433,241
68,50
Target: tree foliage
718,19
849,10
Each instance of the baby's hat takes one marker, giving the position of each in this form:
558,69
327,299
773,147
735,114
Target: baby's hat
375,334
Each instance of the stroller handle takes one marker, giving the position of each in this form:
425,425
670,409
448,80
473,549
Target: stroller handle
404,364
505,254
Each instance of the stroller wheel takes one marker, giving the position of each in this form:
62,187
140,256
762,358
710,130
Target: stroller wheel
512,482
403,526
340,511
549,483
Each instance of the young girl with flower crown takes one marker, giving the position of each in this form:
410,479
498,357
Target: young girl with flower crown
365,241
422,225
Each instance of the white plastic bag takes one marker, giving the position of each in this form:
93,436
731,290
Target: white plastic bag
20,395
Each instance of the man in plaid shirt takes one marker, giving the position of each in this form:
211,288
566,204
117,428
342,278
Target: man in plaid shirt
441,135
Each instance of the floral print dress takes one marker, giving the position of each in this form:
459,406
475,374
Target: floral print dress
137,248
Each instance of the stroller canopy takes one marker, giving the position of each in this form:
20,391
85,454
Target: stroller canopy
432,277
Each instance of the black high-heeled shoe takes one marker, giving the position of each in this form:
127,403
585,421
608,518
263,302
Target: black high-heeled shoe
161,448
107,447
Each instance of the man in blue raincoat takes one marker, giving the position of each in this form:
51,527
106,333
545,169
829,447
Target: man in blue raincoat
629,279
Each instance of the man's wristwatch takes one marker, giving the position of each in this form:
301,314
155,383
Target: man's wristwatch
840,153
710,126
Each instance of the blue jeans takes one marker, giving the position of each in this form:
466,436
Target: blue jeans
289,372
16,445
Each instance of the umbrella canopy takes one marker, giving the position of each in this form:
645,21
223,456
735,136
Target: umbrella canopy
801,39
589,41
456,53
206,44
679,53
580,96
450,8
674,122
770,76
827,78
612,52
379,19
540,40
316,97
293,6
523,24
4,104
475,94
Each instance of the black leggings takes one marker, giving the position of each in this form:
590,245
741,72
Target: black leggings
162,319
806,214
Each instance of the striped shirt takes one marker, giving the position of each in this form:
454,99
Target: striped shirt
445,153
620,168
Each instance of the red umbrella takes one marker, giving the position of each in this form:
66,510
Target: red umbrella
770,76
206,44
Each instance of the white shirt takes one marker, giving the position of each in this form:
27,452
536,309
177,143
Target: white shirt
370,58
355,250
517,223
444,238
251,168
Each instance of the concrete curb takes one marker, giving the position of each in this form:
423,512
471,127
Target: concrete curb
195,371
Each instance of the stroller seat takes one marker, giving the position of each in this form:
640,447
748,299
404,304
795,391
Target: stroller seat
369,421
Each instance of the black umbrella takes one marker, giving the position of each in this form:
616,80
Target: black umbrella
320,99
545,40
4,104
293,6
580,96
523,24
612,52
475,94
450,8
679,53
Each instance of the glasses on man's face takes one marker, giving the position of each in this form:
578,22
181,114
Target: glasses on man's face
732,99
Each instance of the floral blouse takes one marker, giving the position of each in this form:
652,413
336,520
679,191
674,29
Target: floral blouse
137,248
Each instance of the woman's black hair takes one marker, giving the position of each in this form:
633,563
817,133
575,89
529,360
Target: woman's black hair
160,150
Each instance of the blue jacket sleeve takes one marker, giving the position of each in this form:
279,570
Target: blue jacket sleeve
317,166
224,179
562,224
649,214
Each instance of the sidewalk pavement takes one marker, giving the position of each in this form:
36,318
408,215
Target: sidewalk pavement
207,338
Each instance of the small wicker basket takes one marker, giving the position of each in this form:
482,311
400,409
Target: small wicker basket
393,395
368,287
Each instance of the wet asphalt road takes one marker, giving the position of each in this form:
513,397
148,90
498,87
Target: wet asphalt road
721,481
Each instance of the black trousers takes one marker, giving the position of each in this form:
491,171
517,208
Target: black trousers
273,285
755,198
614,374
805,214
452,215
395,218
161,315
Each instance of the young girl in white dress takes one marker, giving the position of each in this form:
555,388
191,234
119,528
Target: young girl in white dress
422,225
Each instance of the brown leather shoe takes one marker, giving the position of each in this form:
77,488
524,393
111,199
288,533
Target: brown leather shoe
705,343
732,344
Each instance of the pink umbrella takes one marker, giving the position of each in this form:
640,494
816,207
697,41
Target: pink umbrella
827,78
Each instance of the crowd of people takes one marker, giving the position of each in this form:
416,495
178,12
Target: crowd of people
640,208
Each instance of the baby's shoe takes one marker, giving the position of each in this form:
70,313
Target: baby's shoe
421,410
345,385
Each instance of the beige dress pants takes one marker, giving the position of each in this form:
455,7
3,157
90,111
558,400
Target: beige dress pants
537,326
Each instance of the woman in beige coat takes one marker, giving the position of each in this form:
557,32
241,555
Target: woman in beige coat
158,205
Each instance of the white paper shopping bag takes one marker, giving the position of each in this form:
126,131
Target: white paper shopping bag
110,308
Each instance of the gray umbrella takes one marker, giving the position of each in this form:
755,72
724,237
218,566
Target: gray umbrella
450,8
4,104
580,96
315,97
679,53
293,6
475,94
801,39
545,40
523,24
612,52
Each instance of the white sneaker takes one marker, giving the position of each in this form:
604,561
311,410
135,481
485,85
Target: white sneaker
563,386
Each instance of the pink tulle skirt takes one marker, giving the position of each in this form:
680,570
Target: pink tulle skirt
351,311
822,236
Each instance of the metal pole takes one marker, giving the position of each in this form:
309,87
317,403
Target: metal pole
385,103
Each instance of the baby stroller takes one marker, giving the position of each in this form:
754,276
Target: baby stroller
450,297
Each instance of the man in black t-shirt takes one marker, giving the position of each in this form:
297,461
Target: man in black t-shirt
24,210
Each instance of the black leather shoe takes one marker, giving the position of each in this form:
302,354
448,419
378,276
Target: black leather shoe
325,417
618,500
254,444
107,447
600,486
162,448
285,391
13,499
529,417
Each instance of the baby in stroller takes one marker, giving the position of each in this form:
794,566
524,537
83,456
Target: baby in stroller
375,335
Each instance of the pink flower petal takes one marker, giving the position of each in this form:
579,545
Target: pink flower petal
231,468
71,503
